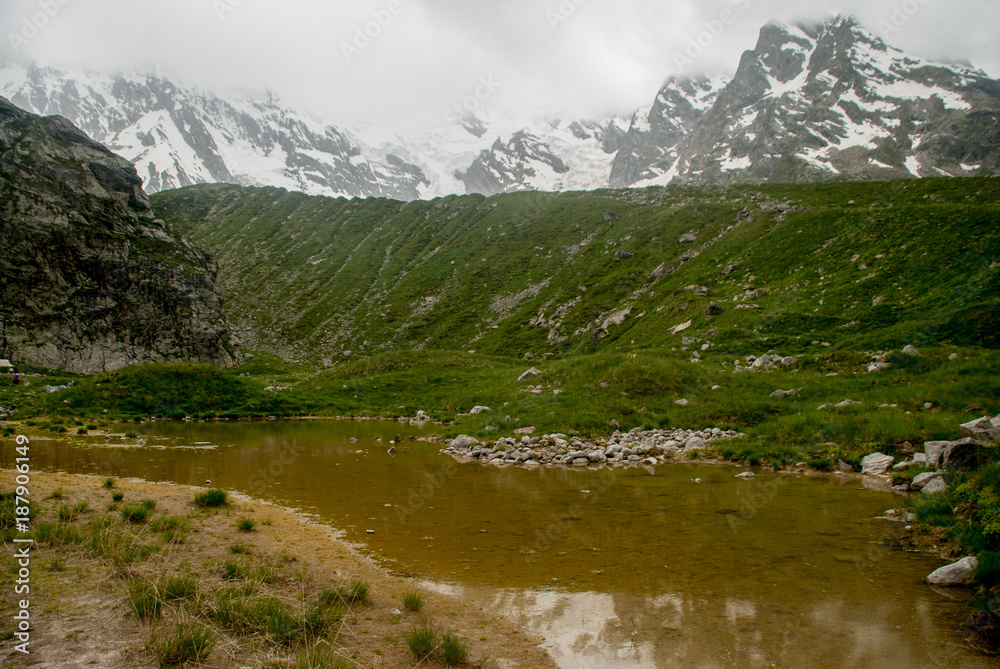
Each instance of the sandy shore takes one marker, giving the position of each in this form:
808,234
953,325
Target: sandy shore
81,617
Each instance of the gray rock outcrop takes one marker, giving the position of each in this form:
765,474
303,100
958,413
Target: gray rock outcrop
91,280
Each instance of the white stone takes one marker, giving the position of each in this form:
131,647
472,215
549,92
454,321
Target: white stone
958,573
934,486
876,464
921,480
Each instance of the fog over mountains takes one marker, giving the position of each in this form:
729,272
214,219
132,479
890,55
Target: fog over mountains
811,103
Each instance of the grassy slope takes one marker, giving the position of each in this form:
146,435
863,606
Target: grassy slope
311,277
290,262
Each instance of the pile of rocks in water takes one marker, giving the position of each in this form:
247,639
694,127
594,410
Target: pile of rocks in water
637,447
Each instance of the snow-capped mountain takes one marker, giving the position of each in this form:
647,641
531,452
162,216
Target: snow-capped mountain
177,136
810,103
648,149
831,101
562,155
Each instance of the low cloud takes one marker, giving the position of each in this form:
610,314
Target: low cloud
403,61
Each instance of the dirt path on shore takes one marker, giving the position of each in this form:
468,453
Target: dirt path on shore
81,616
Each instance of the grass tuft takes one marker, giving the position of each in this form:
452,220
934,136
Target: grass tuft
185,643
422,641
356,592
138,512
413,601
453,649
144,599
215,497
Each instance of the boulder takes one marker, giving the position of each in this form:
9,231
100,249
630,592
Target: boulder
934,486
983,431
746,476
662,271
714,309
463,442
876,464
617,318
596,456
695,444
784,393
624,255
682,403
421,416
920,459
689,238
530,374
920,481
965,454
478,410
909,349
933,451
677,329
525,430
788,361
844,466
955,574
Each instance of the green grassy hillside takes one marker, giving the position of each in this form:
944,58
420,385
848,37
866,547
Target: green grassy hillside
537,275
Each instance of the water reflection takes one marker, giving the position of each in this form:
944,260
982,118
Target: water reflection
631,568
592,630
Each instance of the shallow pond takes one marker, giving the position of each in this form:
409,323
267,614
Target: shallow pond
634,567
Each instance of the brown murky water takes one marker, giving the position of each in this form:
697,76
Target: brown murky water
622,568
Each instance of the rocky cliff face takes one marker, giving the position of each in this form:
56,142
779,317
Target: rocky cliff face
89,280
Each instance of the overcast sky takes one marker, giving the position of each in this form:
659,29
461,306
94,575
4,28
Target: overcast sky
571,57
